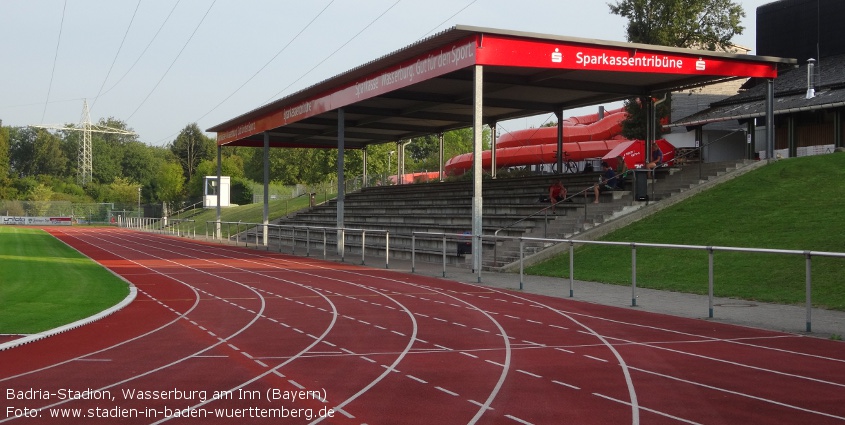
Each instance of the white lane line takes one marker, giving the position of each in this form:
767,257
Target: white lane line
492,362
738,393
649,410
564,350
560,327
479,404
344,412
529,373
566,385
368,359
296,384
417,379
522,421
452,393
469,354
595,358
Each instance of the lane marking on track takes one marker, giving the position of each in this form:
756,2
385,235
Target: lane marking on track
648,410
479,404
522,421
417,379
469,354
452,393
566,385
343,412
595,358
699,384
502,375
529,373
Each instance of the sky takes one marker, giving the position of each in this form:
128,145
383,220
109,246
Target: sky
161,65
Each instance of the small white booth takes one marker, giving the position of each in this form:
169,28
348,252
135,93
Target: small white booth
209,198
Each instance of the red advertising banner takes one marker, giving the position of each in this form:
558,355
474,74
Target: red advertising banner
432,64
498,50
509,51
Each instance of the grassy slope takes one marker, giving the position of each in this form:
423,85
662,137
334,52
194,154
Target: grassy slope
792,204
44,283
252,213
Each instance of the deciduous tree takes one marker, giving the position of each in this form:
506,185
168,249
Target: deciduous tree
701,24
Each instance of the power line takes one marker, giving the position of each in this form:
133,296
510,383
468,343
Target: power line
55,59
174,60
334,52
138,59
269,61
116,54
449,18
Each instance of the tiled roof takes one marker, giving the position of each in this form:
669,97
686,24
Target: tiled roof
790,95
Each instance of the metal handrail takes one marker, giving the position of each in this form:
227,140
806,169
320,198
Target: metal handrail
710,249
340,230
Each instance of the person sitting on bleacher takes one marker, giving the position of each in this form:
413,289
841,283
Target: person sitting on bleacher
656,157
557,193
621,173
607,181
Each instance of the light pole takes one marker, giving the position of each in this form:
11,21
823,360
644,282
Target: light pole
139,202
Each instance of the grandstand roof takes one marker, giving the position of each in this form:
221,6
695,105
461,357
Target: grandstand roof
427,87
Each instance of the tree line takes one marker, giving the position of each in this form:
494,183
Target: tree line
42,165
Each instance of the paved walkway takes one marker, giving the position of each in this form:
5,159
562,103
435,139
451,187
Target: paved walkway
785,318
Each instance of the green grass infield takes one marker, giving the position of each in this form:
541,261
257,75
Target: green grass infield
45,283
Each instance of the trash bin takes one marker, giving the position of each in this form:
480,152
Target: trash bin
641,184
313,199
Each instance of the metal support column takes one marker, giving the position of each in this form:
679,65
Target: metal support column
477,148
341,183
559,154
365,182
442,154
770,119
217,229
266,215
493,150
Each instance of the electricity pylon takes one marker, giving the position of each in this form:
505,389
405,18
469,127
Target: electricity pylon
83,157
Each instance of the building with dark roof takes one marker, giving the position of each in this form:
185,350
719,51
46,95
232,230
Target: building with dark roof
809,99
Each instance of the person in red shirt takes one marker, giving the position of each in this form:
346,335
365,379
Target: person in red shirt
557,193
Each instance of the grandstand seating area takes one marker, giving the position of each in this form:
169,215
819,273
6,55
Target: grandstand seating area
511,208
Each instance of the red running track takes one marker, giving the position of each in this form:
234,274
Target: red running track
232,335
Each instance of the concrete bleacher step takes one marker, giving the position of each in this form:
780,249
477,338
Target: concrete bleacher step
447,207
